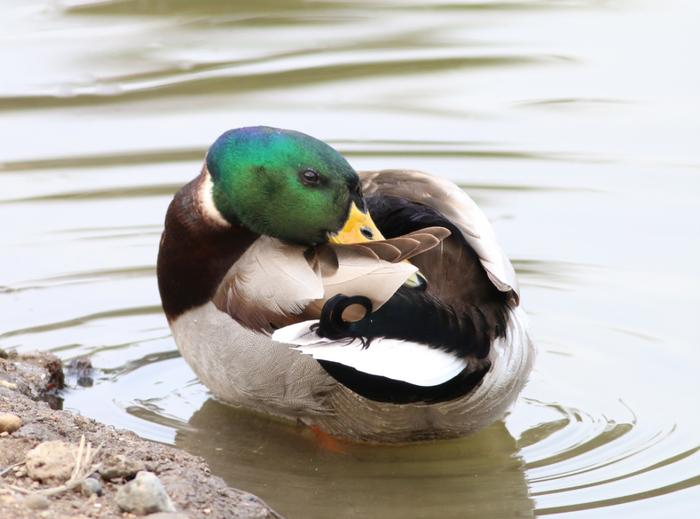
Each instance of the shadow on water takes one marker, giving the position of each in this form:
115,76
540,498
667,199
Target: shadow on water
480,475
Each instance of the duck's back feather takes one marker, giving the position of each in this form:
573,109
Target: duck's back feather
456,207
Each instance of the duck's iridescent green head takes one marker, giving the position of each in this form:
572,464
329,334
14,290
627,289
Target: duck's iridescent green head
282,183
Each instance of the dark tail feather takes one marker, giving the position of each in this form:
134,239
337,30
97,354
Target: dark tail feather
416,316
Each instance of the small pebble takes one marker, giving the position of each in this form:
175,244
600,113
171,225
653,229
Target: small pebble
91,486
144,495
36,502
9,423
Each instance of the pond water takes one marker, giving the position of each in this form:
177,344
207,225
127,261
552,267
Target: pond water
574,124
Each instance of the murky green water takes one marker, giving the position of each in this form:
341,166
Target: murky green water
574,124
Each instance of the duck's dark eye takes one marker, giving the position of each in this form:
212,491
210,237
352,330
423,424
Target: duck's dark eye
310,177
367,232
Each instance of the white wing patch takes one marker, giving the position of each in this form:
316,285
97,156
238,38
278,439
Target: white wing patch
406,361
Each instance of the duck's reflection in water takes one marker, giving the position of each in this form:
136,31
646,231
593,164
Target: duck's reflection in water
478,476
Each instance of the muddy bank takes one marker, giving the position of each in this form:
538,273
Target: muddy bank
56,464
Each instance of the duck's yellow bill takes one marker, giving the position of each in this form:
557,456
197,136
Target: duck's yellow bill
358,228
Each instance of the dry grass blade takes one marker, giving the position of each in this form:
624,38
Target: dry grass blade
9,468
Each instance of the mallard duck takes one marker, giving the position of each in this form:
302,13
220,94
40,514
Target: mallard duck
372,306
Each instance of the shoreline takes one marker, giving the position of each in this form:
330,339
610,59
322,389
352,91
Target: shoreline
113,458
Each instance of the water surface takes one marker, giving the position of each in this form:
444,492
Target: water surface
574,124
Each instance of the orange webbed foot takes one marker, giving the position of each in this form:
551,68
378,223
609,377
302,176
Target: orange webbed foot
327,442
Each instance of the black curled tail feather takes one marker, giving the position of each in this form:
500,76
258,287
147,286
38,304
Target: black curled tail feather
416,316
331,324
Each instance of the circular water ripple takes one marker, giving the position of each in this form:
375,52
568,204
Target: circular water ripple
582,461
571,461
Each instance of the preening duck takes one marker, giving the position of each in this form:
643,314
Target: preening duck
375,306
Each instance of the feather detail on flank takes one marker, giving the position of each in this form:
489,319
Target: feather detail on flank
405,361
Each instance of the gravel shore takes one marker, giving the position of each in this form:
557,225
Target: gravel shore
56,464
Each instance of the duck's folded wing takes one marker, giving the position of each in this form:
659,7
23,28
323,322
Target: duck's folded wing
400,248
457,207
269,284
275,283
399,360
374,269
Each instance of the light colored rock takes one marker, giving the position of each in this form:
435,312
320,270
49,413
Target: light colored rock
9,423
168,515
91,486
51,462
36,502
119,466
144,495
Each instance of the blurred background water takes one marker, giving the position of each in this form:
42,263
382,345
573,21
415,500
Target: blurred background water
574,124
